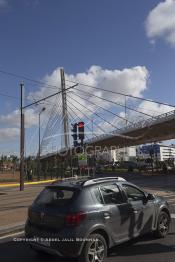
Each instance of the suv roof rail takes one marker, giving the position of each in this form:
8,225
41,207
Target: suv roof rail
93,180
87,180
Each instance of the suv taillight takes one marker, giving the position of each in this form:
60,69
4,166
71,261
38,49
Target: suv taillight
74,219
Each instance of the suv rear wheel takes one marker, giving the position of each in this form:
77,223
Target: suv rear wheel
94,250
162,225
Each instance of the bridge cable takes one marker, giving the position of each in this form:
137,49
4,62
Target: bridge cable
103,108
87,117
96,114
79,119
119,93
107,100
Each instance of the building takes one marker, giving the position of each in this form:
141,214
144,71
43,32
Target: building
105,156
118,155
158,151
124,154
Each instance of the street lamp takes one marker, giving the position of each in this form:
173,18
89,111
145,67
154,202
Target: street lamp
39,143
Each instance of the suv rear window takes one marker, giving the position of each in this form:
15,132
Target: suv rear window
55,196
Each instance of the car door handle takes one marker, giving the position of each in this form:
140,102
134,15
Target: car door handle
106,215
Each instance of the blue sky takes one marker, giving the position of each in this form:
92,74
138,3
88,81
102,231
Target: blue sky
37,37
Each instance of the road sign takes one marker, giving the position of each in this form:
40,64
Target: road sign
82,159
155,149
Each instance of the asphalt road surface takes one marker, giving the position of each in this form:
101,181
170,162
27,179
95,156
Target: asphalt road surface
143,249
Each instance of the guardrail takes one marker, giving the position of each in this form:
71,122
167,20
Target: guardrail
137,125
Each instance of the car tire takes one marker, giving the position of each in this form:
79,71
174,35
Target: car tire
95,247
163,224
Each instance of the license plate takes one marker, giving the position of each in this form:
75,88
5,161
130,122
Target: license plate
44,242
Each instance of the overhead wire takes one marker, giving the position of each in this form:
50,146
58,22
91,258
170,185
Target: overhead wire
120,93
26,78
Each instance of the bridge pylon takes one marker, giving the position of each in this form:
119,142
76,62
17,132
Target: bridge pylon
64,110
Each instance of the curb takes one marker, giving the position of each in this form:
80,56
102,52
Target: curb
39,182
13,228
27,183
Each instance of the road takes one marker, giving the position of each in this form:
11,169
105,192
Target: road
143,249
14,204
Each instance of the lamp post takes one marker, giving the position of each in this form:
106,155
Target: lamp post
39,143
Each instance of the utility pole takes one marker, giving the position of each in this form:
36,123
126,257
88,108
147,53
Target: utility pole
64,110
39,148
39,143
22,142
125,127
23,107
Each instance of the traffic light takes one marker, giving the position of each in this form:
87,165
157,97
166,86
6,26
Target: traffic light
74,133
81,130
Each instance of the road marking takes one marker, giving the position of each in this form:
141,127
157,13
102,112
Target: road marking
172,215
12,235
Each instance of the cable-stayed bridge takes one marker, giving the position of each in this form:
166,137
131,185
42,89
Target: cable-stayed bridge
146,131
111,119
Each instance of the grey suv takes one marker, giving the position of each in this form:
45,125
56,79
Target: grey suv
85,217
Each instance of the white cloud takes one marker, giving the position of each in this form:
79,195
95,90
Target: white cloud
153,109
132,80
160,22
148,109
13,119
8,134
129,81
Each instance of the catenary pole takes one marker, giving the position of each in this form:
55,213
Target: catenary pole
21,141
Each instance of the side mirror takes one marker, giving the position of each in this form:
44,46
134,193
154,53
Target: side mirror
150,197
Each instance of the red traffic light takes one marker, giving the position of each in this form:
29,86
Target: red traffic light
81,124
81,130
